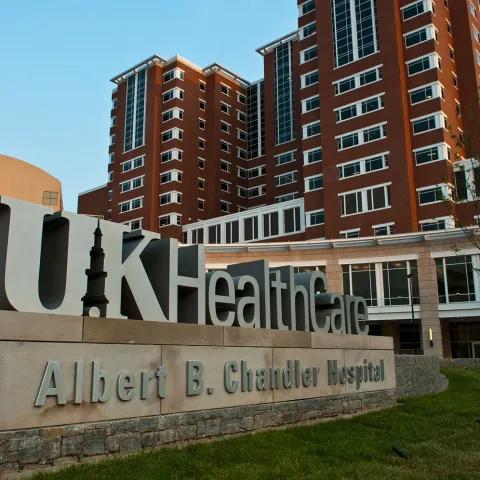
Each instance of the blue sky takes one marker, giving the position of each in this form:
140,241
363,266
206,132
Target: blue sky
57,57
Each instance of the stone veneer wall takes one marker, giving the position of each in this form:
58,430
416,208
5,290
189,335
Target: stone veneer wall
418,375
40,448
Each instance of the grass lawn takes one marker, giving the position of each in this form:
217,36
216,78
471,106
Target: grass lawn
439,433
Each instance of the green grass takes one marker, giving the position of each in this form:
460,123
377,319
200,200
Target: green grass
439,433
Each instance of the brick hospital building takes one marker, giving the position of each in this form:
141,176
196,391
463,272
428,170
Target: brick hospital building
348,134
356,130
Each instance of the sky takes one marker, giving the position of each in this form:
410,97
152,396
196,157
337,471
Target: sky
57,58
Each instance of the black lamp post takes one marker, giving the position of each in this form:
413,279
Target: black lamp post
409,276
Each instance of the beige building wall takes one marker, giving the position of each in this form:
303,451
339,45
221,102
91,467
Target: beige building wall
23,181
422,247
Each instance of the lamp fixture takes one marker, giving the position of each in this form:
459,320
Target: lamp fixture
431,336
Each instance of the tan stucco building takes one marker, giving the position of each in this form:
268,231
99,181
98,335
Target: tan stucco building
23,181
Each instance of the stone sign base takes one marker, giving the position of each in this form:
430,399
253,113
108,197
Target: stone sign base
75,389
57,446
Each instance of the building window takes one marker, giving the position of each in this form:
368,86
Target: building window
201,204
435,225
286,198
114,103
473,10
197,236
427,92
201,164
171,197
225,90
308,30
257,172
366,200
284,158
422,64
361,137
360,108
241,135
242,173
284,94
131,205
396,284
355,31
310,104
467,181
225,146
309,54
309,79
174,154
224,206
313,183
224,186
172,176
172,134
355,233
365,165
241,117
201,183
285,179
432,154
133,164
259,191
241,153
224,166
131,185
171,114
306,7
455,279
172,74
113,121
202,86
241,192
449,27
428,123
250,228
110,177
315,218
225,127
201,143
311,130
202,105
201,124
171,219
382,230
270,224
241,98
135,111
225,108
434,194
422,35
292,219
359,80
50,198
232,232
173,93
360,280
110,195
455,80
112,139
111,158
415,9
312,156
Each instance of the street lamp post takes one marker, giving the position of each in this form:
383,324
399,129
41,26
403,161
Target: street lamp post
409,276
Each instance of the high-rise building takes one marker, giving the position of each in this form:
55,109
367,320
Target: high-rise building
355,130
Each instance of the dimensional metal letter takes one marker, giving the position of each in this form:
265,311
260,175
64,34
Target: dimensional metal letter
260,272
276,301
52,375
231,386
126,386
194,378
78,397
99,377
43,269
221,299
248,302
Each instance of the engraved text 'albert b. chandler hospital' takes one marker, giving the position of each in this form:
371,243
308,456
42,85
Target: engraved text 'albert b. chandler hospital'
71,264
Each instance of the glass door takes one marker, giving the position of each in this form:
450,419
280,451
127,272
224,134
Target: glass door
476,349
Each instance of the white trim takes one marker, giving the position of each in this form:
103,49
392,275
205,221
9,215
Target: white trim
386,259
